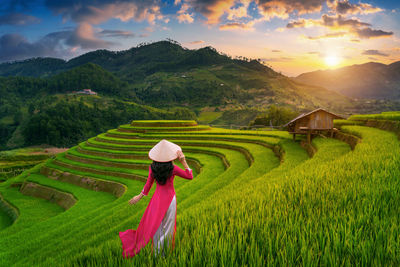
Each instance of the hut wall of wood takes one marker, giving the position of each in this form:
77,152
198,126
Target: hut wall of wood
317,120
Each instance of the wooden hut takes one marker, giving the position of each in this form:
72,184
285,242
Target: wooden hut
313,122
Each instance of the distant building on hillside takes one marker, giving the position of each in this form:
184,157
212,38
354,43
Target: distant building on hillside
312,122
87,92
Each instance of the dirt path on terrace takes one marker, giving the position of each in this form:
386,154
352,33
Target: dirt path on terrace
51,150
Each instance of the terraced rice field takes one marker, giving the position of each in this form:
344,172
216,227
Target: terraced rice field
257,198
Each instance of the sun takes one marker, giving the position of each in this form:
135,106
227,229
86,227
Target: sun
332,60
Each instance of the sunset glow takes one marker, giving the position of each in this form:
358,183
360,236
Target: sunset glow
332,61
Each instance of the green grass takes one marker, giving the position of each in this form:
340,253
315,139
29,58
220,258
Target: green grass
234,169
61,157
383,116
32,211
339,123
312,212
337,208
208,116
5,220
164,128
103,224
235,138
163,123
74,152
209,173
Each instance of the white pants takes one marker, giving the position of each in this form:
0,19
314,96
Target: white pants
165,231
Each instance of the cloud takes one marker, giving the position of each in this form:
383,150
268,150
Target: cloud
183,15
18,19
283,8
328,21
196,42
341,27
16,47
57,44
278,59
237,26
328,35
373,52
296,24
340,21
276,51
149,29
367,33
238,12
85,37
211,9
89,13
103,10
117,33
345,7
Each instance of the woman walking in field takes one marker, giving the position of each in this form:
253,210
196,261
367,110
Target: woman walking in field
159,220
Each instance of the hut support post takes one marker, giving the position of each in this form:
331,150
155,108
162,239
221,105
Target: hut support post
294,137
309,137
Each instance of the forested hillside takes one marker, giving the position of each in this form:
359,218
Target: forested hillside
166,74
35,106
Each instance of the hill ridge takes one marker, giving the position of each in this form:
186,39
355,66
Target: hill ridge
368,80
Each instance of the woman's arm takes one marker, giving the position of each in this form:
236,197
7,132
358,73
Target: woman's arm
187,173
145,191
149,183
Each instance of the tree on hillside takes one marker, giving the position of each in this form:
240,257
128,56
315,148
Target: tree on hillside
275,116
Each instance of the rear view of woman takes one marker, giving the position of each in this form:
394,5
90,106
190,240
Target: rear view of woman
159,220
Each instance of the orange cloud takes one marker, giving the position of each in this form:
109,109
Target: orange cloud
367,33
338,22
237,26
197,42
282,8
341,25
328,35
211,9
345,7
183,15
239,12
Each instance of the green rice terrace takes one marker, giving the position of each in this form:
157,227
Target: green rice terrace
257,198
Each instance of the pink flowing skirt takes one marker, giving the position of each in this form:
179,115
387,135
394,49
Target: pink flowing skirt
162,232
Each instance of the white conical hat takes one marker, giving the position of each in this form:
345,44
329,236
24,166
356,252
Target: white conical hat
164,151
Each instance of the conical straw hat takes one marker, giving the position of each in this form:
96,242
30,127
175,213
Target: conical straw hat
164,151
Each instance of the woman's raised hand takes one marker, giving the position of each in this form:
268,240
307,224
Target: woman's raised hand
134,200
181,156
182,159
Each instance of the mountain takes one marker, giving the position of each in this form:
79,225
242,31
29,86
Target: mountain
370,80
164,74
161,80
85,76
35,110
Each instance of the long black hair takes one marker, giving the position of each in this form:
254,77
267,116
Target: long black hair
161,171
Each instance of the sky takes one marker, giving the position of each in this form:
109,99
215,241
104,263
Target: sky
291,36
